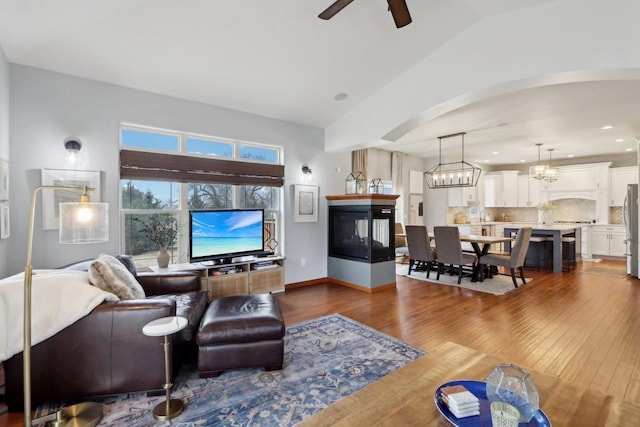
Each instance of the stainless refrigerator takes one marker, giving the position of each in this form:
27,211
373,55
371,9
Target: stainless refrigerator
631,226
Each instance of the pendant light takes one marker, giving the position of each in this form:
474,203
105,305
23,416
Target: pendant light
453,174
538,171
551,174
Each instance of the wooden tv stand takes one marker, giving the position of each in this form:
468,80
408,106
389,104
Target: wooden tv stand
237,278
248,278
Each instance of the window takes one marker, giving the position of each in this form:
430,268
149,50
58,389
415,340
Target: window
158,190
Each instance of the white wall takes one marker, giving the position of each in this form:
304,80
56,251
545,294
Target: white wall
47,107
4,144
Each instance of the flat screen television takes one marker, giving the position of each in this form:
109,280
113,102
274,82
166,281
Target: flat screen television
220,235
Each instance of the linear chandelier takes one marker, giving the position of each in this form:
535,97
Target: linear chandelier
452,174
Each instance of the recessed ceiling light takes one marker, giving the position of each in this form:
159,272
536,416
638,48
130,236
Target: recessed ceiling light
628,149
487,161
570,155
606,127
619,140
521,161
341,96
494,152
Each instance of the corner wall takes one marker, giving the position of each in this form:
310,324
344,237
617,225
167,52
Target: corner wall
47,107
4,144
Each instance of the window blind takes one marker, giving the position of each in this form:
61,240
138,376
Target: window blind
181,168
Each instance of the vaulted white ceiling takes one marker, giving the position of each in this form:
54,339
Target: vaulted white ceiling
277,59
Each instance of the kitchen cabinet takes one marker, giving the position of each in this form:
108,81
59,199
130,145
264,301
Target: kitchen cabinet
585,237
501,189
586,177
462,196
608,240
619,179
528,191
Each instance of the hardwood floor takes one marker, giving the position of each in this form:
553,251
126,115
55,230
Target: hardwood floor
580,327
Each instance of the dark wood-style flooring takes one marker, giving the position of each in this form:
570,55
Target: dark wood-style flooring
578,326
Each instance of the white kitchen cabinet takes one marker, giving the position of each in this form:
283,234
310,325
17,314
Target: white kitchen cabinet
501,189
608,240
585,236
528,191
619,179
462,196
586,177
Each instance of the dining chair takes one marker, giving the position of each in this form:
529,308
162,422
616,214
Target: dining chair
420,251
450,252
402,249
514,260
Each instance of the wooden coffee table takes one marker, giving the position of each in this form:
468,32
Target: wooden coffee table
406,397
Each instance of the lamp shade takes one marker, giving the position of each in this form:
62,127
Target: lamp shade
83,222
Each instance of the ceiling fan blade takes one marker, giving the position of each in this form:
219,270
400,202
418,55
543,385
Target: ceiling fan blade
336,7
400,12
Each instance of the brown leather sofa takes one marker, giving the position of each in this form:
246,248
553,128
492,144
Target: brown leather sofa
106,352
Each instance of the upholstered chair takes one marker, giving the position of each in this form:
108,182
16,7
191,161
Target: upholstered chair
450,251
512,261
420,252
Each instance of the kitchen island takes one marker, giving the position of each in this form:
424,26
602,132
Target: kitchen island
557,231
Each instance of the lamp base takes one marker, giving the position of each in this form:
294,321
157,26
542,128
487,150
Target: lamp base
87,414
175,408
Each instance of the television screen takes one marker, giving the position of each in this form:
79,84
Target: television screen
219,234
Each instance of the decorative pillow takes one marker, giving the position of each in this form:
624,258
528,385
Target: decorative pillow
109,274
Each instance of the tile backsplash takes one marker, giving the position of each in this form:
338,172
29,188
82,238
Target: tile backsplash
563,210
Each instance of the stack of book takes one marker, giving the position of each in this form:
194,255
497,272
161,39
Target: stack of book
460,401
263,265
227,269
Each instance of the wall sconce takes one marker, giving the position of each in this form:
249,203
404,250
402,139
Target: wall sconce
306,170
73,147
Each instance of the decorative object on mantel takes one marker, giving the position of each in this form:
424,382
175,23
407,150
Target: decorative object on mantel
538,171
452,174
375,186
356,183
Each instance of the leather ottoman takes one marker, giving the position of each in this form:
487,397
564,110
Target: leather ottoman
240,331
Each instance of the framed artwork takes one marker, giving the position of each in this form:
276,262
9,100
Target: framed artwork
4,222
4,179
51,199
305,203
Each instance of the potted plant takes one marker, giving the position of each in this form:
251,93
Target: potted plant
162,231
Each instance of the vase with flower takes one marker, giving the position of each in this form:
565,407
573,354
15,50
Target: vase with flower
545,213
162,231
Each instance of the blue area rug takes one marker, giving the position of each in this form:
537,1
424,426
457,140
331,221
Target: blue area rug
326,359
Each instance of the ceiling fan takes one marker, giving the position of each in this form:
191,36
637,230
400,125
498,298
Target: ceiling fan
398,9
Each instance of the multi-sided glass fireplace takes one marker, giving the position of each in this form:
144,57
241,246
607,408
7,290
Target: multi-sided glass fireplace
362,233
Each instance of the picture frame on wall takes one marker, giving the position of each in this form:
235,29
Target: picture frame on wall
5,229
68,178
4,180
305,203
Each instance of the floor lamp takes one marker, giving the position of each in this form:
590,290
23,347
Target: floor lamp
80,222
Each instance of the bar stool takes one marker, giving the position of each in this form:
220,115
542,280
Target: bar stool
568,253
539,257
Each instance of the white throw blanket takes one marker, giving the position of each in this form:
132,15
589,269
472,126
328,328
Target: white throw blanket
58,299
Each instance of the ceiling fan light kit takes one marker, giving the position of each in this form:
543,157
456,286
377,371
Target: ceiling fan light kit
398,9
452,174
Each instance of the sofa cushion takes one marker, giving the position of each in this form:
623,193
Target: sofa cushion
111,275
190,305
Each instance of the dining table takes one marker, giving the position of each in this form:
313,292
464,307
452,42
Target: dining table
410,396
481,246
